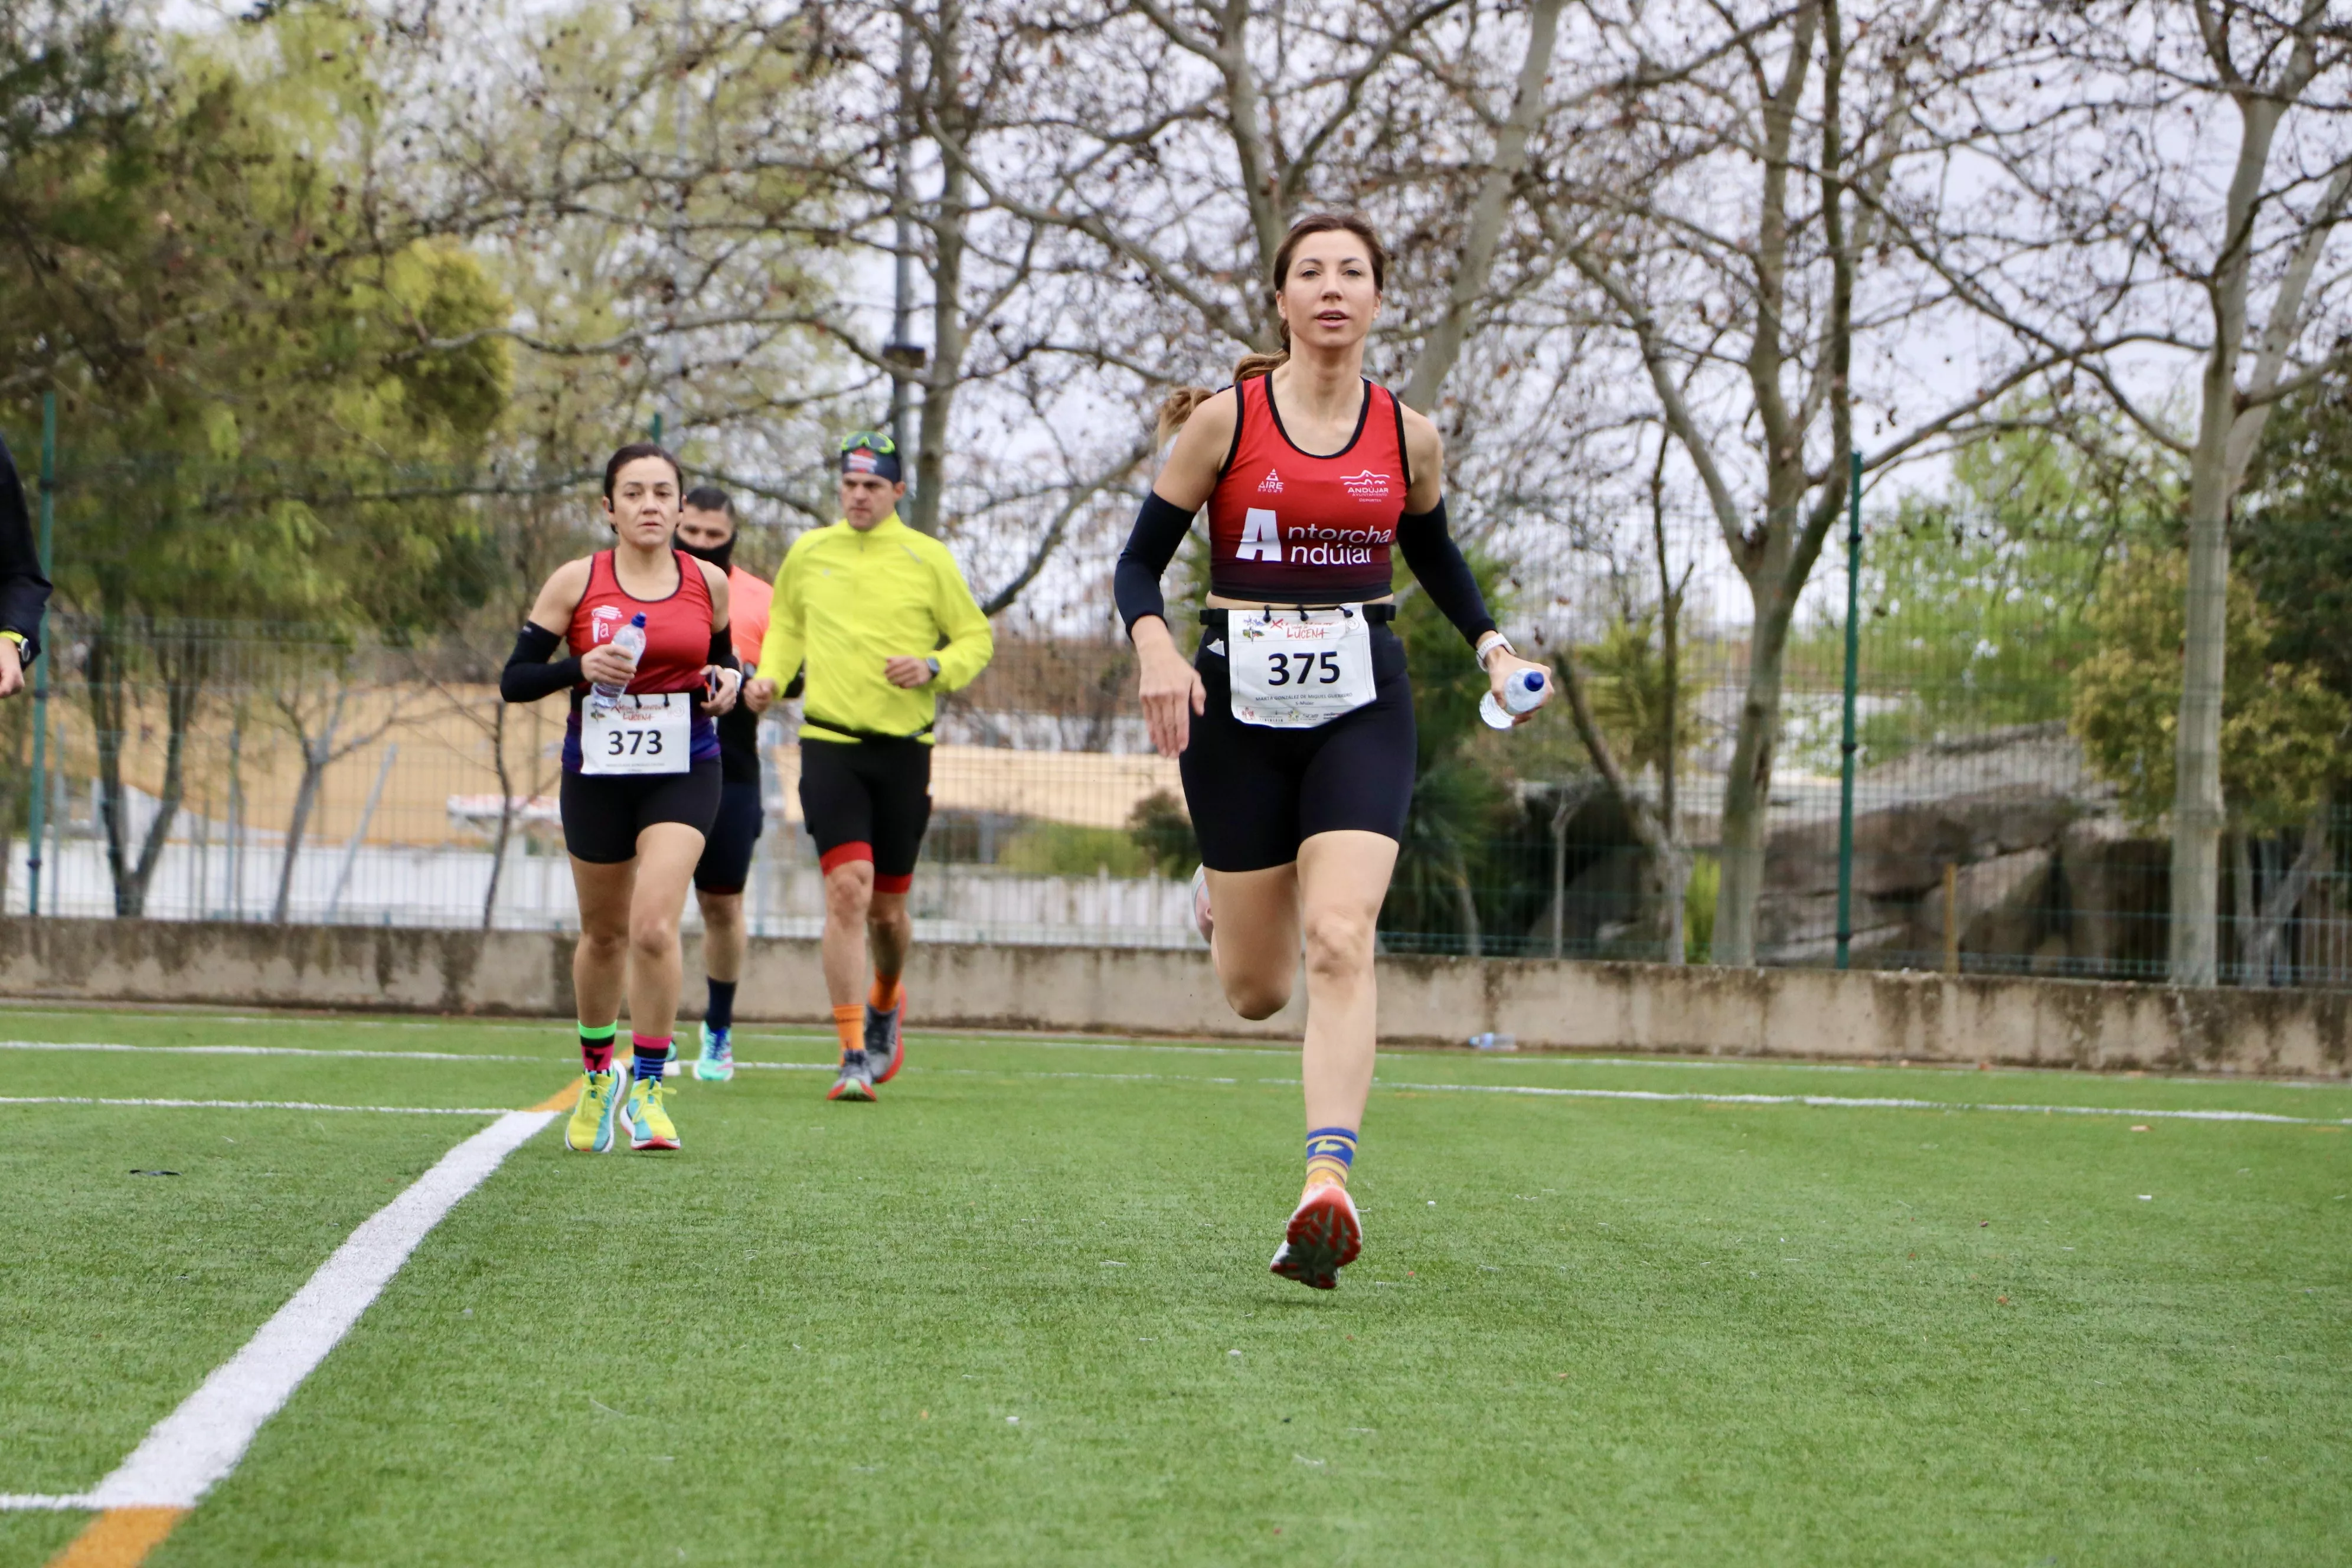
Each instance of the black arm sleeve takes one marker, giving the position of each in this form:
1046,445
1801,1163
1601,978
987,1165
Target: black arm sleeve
1159,527
24,590
722,651
1436,563
527,675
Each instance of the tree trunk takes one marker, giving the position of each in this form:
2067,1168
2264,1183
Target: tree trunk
317,755
103,685
182,695
1748,788
946,277
2197,809
2263,942
1475,265
314,768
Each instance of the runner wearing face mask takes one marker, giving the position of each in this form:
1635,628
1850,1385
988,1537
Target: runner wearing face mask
707,531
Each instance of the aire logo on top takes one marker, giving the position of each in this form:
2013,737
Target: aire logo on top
1272,484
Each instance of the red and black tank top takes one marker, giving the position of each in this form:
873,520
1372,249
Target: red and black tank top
1289,527
677,642
677,628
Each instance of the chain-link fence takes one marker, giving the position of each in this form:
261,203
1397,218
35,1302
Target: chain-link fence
281,772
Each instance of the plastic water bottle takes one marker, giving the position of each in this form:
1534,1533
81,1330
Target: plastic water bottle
1490,1041
1522,691
631,640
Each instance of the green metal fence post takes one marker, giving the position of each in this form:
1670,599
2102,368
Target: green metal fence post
1846,745
41,665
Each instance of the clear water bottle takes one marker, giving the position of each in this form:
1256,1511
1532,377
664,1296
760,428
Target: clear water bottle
1491,1041
631,640
1521,691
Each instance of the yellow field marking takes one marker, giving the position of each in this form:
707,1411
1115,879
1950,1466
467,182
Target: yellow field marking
561,1098
119,1538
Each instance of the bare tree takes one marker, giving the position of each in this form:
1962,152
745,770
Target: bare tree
313,702
2217,252
1763,229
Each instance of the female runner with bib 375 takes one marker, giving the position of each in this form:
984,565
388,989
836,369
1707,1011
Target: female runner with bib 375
641,777
1294,723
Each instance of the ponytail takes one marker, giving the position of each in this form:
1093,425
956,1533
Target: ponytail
1177,406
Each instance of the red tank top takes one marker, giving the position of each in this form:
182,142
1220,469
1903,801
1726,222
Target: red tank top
1293,527
677,629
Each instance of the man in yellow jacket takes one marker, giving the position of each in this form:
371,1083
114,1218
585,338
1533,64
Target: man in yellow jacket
883,623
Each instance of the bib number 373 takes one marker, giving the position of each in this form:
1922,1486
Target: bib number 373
1296,669
636,735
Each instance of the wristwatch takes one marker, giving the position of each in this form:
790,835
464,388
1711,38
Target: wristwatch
1486,648
935,667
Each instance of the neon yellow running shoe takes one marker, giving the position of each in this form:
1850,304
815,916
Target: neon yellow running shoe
647,1124
590,1131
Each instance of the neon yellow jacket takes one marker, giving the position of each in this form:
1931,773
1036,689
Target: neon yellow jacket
846,601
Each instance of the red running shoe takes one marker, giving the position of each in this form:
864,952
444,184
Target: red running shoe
1323,1237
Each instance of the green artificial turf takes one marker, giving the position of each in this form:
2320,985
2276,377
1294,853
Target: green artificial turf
1019,1312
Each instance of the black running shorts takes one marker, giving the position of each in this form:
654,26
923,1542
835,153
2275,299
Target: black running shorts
867,800
1255,792
603,814
726,863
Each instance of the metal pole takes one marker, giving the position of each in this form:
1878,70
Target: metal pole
41,665
1846,746
674,368
899,352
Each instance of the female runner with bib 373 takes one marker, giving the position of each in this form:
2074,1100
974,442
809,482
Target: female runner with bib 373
641,777
1294,723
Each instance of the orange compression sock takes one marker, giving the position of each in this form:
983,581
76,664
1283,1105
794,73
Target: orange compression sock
849,1023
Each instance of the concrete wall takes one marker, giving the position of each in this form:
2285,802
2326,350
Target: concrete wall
1571,1006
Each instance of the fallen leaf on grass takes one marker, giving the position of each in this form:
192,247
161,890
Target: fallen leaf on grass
2141,1128
2003,1300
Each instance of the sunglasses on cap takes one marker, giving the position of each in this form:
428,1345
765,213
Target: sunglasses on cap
872,441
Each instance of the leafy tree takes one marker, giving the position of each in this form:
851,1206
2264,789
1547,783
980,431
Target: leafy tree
1461,805
250,428
2297,530
1162,831
1977,601
2283,729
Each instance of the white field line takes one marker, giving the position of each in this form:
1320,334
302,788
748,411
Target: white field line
255,1105
191,1451
1660,1096
1856,1102
1819,1102
254,1051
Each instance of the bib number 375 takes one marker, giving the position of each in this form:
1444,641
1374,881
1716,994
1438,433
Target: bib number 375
1296,669
636,735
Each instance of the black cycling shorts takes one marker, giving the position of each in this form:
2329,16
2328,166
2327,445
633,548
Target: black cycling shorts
726,863
867,800
1255,792
604,813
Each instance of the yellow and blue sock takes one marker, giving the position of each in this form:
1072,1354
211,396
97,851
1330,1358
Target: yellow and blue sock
1330,1153
650,1053
596,1046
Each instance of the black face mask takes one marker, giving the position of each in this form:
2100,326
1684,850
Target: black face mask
722,557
